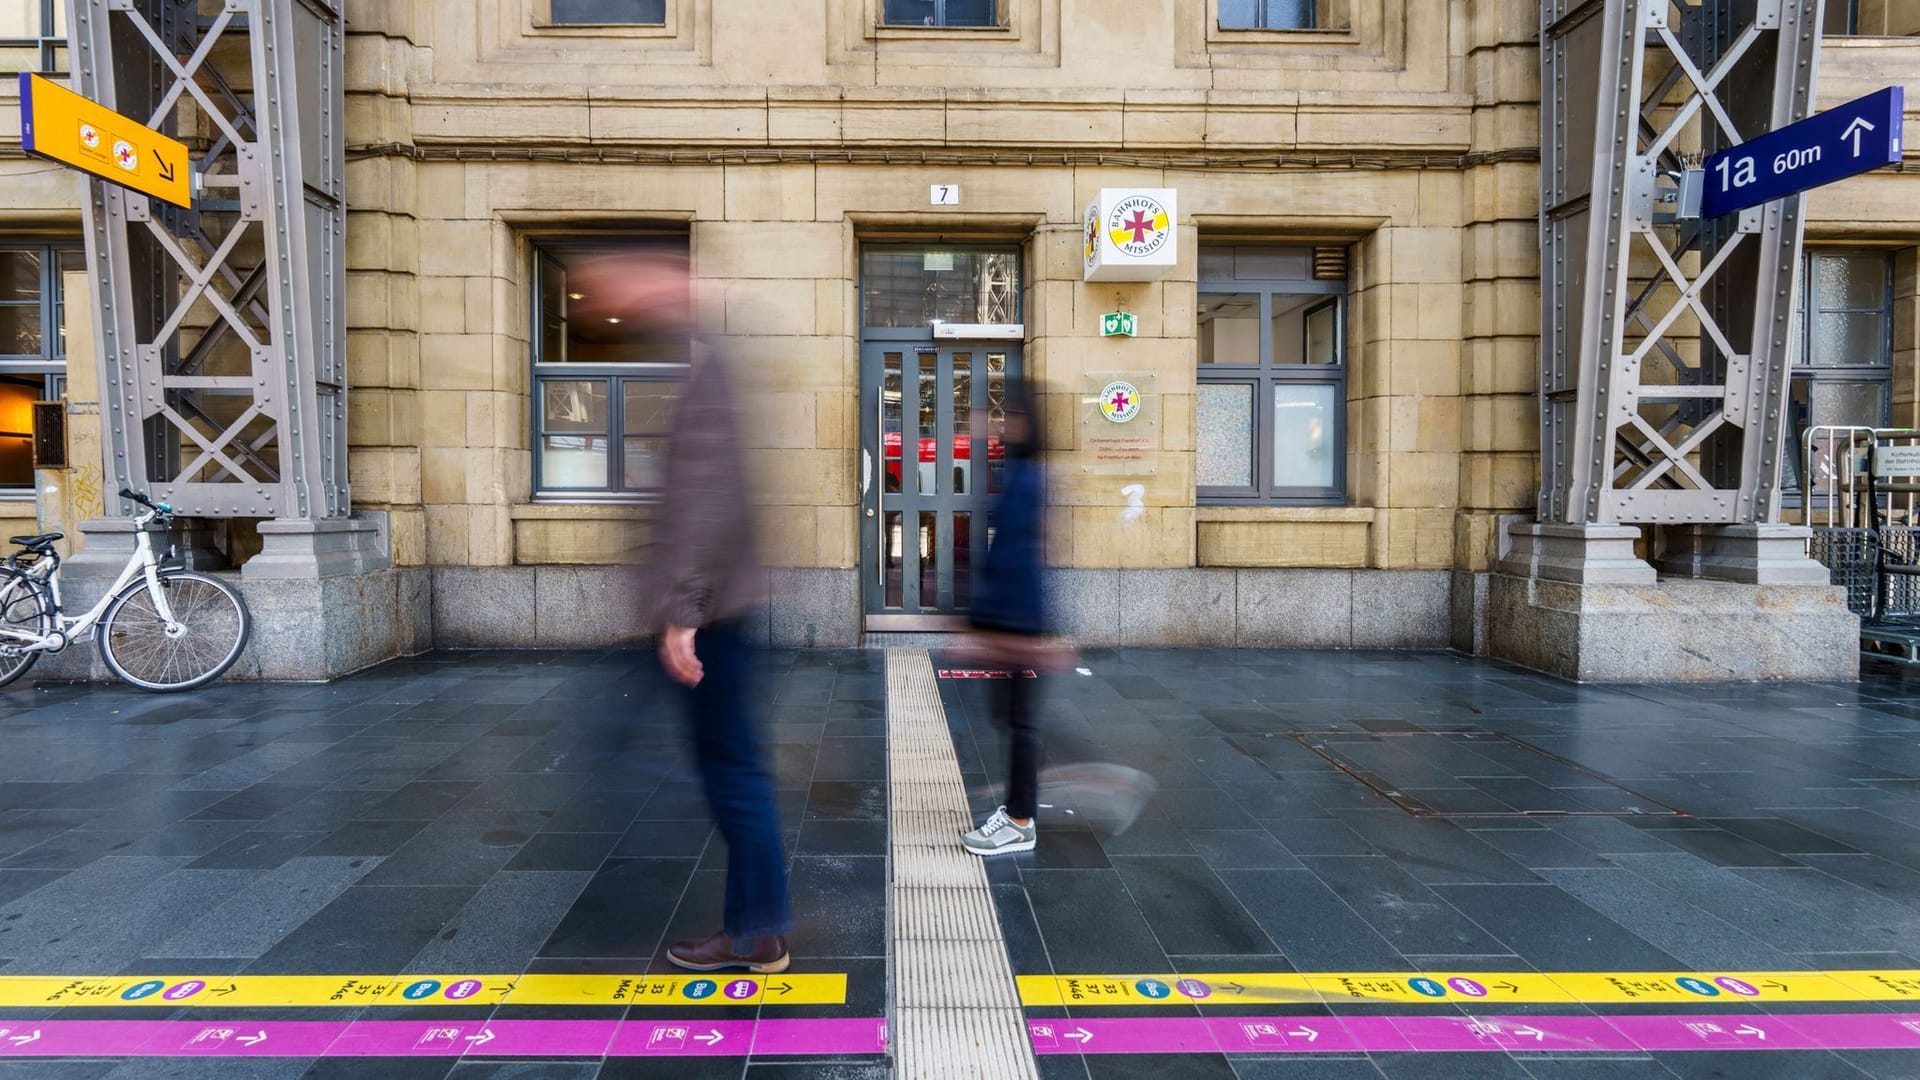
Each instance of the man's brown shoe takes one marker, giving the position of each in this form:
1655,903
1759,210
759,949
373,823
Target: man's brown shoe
763,956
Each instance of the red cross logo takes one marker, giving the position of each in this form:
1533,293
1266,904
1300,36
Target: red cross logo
1121,401
126,155
1139,226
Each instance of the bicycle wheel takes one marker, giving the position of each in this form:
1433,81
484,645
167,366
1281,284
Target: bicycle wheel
212,624
25,608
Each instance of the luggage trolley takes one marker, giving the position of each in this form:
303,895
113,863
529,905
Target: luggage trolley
1862,501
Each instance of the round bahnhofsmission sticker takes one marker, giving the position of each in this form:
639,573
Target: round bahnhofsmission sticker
1120,402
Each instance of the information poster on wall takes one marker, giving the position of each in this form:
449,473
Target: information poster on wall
1119,423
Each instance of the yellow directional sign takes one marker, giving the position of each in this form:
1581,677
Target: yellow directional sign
254,991
60,125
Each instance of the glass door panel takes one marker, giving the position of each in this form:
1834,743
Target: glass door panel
920,513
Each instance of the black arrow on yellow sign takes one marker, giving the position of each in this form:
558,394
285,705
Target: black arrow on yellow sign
166,168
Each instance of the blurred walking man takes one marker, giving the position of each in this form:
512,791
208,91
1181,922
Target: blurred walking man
711,579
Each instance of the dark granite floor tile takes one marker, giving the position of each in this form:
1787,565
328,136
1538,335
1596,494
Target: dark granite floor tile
839,906
1240,849
368,928
1403,911
1436,852
649,838
1783,836
422,800
1699,940
367,838
463,849
503,925
847,799
1091,924
1449,1067
1877,875
831,837
1766,1065
851,758
1191,911
1318,836
622,911
1307,1068
564,851
1313,927
1553,931
1788,925
258,850
1540,848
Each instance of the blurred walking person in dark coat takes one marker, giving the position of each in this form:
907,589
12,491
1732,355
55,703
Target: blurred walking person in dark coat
1011,627
709,574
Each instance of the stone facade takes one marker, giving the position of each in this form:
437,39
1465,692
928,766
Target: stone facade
782,138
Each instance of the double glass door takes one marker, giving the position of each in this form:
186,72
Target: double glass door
933,460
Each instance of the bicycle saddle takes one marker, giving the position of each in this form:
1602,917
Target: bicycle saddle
44,540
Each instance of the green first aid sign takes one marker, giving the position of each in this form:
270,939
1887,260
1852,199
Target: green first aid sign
1117,324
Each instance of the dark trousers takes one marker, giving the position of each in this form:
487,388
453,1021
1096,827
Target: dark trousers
1023,757
726,738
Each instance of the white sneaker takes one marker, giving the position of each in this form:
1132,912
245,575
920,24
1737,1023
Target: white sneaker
1000,835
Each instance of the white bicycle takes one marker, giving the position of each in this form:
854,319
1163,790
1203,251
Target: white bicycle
160,626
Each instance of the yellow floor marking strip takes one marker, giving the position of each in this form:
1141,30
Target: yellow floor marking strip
1434,988
176,991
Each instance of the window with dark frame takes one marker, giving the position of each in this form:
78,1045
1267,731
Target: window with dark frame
970,14
1843,371
33,36
1268,14
607,12
33,348
1270,410
606,379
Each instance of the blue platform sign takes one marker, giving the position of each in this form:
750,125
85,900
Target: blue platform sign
1861,135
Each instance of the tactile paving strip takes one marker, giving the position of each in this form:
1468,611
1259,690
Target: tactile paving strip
956,1008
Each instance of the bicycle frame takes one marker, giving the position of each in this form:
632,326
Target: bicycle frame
67,628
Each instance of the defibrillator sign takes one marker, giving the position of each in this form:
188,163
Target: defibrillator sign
62,126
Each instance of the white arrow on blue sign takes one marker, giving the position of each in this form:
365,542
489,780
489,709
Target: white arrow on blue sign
1861,135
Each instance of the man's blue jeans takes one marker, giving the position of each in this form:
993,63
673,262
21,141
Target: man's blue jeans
726,737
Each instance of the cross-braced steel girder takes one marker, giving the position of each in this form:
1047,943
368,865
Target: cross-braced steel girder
1664,361
222,327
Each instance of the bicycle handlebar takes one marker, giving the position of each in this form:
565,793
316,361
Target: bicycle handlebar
161,508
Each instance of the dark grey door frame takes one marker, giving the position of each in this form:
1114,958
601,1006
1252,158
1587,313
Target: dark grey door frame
893,596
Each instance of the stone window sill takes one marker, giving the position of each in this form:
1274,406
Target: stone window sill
943,33
1316,514
1269,38
604,30
581,511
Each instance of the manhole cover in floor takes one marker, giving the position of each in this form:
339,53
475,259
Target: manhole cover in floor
1476,774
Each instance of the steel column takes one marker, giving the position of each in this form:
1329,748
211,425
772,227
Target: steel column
1664,340
222,328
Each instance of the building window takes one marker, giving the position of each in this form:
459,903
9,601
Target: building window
950,13
1268,14
33,36
918,286
1843,370
33,348
607,12
606,376
1843,17
1270,413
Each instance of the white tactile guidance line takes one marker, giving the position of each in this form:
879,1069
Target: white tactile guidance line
956,1010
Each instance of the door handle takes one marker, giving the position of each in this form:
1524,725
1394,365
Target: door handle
880,489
